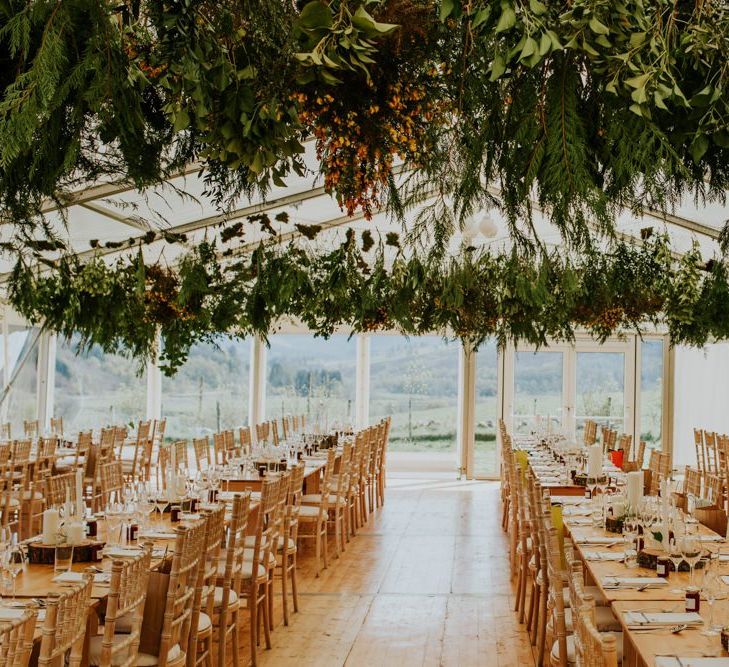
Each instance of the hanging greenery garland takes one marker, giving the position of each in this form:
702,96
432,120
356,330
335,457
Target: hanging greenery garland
582,108
122,306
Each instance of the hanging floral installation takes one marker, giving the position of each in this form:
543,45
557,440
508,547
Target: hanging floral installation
579,109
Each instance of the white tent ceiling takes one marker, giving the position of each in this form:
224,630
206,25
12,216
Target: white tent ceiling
107,212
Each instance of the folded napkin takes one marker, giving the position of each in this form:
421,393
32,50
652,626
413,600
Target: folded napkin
11,613
186,516
633,582
578,520
578,510
603,555
640,618
711,538
675,661
598,539
122,552
78,577
158,535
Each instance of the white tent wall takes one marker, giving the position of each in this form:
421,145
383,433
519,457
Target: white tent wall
701,397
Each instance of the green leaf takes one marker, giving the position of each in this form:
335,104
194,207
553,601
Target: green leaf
362,20
498,67
530,47
545,44
638,81
446,9
481,16
537,7
316,14
699,146
182,120
598,28
637,39
507,20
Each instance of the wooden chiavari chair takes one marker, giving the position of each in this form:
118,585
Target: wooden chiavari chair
692,482
254,579
363,473
228,592
57,426
58,487
590,432
112,482
590,646
383,438
244,434
263,432
654,466
337,499
6,429
277,538
230,446
181,454
176,638
313,518
124,608
204,603
201,448
288,545
30,428
137,464
64,628
158,431
713,490
625,444
221,457
700,450
286,427
274,432
711,452
45,456
295,423
16,639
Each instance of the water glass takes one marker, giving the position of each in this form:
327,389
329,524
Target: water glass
63,558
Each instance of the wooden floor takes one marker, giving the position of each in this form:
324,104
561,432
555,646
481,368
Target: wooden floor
425,583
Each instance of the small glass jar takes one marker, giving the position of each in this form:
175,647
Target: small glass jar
693,599
92,527
175,514
662,566
725,639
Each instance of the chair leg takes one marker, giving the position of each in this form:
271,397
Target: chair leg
266,627
253,607
542,625
530,612
294,585
317,550
284,586
269,596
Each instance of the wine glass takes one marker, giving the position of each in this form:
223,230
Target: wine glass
115,516
691,550
15,560
675,555
711,590
160,502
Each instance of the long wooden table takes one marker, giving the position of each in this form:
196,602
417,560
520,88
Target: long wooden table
641,647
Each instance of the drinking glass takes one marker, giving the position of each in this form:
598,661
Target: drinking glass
15,560
691,550
63,558
114,518
711,590
675,555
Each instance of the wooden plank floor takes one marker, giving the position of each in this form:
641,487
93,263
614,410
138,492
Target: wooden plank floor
425,583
